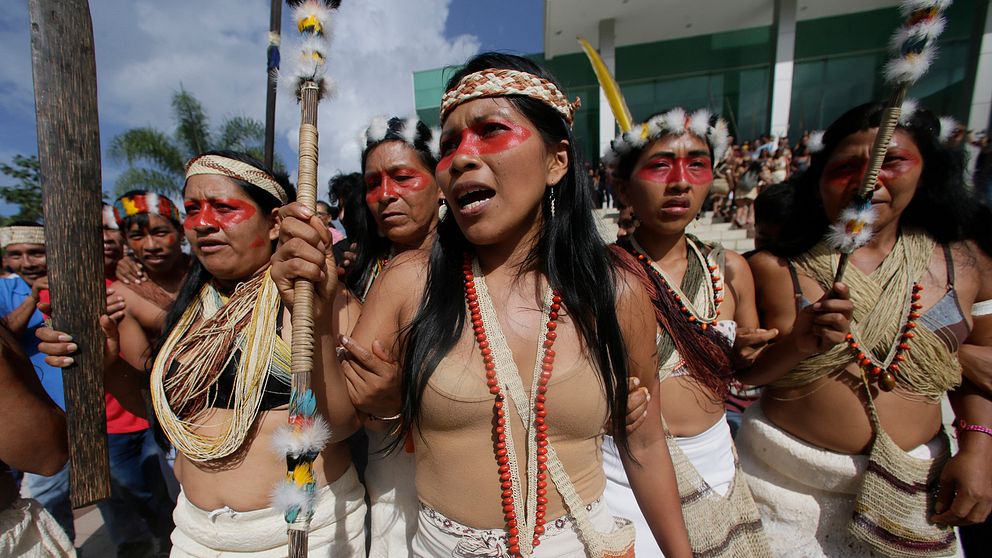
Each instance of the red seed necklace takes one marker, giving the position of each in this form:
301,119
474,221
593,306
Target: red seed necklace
884,372
691,313
499,424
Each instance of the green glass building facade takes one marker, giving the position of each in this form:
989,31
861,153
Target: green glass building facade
837,64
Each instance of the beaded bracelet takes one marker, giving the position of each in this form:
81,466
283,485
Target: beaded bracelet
962,425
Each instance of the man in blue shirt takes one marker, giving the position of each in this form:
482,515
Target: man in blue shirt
24,254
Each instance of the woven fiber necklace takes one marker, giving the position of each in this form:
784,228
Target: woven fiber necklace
713,290
482,312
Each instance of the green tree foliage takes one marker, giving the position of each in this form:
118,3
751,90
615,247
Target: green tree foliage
26,194
155,159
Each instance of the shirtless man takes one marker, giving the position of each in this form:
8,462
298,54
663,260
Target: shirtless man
151,227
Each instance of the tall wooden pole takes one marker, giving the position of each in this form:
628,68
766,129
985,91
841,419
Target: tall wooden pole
271,65
64,68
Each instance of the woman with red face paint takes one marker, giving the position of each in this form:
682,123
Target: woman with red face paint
399,214
220,381
707,324
517,345
846,454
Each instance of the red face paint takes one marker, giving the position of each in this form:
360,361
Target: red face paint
217,213
257,243
849,172
667,170
393,183
490,136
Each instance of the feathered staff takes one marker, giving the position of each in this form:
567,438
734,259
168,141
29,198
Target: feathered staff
609,86
306,433
913,46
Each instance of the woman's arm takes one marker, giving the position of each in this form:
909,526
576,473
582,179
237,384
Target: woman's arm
32,429
649,465
751,339
965,495
815,329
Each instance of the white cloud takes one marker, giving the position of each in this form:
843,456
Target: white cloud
215,49
375,49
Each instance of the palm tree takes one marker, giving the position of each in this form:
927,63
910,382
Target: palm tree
162,157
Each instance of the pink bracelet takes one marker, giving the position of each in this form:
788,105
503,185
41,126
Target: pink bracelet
962,425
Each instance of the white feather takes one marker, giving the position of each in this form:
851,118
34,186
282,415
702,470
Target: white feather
909,6
634,138
928,30
719,137
318,10
947,127
908,69
435,143
699,122
287,496
655,126
377,130
907,110
151,200
310,438
815,142
838,236
609,156
409,130
673,121
620,146
109,219
302,66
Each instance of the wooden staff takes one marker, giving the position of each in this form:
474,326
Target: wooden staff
272,69
310,84
914,50
64,69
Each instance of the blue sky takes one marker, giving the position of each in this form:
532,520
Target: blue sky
146,49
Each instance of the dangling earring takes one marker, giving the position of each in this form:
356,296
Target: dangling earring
442,209
551,198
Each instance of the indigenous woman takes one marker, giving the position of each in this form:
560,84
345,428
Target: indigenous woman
221,376
516,346
845,454
400,214
703,299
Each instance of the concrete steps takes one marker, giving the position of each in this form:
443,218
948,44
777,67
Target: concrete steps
703,227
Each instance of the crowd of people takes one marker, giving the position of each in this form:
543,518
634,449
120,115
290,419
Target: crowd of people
498,381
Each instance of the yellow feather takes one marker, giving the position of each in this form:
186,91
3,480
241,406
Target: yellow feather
609,86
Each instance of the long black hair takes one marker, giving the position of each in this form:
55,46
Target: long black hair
198,276
942,205
370,245
569,252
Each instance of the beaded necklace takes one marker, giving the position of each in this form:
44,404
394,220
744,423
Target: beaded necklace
884,372
713,290
503,446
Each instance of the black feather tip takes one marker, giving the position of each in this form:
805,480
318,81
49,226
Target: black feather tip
332,4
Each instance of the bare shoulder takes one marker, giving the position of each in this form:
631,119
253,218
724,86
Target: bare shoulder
737,267
972,268
766,264
398,289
